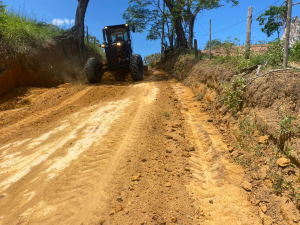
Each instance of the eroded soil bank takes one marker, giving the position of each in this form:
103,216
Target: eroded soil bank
48,66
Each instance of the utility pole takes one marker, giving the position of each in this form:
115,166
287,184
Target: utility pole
210,39
163,29
287,33
248,35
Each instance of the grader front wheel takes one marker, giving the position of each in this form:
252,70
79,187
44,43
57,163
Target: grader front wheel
93,70
136,67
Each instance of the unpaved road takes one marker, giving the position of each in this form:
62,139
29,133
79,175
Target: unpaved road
116,153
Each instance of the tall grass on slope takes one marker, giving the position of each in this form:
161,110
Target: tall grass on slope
20,32
96,47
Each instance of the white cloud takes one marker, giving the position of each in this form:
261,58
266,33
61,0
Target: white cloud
61,22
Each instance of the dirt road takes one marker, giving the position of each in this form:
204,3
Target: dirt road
116,153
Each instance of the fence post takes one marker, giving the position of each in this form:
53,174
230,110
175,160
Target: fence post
248,35
196,48
210,39
287,33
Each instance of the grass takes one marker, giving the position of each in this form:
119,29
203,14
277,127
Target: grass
166,114
272,57
19,31
96,48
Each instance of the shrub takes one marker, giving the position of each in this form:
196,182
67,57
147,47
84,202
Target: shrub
273,56
295,52
232,93
2,16
152,59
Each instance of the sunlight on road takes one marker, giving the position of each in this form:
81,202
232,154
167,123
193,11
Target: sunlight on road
84,128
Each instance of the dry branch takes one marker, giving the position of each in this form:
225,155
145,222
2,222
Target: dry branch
262,75
296,68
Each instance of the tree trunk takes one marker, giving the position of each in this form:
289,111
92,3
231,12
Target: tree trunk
171,40
180,32
78,29
178,24
191,31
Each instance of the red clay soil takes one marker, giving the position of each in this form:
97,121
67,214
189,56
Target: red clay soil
48,66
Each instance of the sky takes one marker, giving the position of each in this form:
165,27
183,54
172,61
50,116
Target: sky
101,13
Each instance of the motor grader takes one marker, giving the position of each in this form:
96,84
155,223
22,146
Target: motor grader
120,60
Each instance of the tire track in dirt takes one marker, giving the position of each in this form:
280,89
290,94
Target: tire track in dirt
216,183
78,158
31,119
149,188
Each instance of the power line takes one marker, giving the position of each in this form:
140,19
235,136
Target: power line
265,8
240,21
201,26
244,31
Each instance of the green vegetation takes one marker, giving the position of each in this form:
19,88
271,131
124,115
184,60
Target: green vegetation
250,150
2,15
272,57
278,183
273,20
226,45
166,114
245,133
20,31
286,125
288,151
94,43
215,44
295,53
152,59
232,93
178,15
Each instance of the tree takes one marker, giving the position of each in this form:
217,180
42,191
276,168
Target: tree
176,7
78,29
147,15
193,7
92,39
139,14
216,43
180,17
2,15
273,20
151,59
